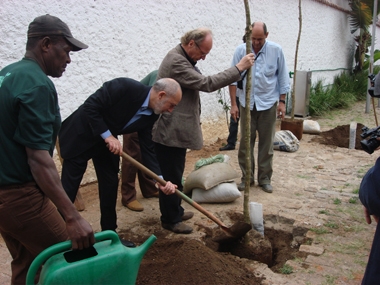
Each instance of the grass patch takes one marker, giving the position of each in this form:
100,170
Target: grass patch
324,212
353,200
351,248
337,201
354,211
353,228
330,280
303,176
286,269
319,231
331,225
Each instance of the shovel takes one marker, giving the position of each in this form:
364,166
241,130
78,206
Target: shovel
236,231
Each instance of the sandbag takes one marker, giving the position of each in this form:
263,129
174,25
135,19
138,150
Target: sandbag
285,141
209,176
222,193
311,127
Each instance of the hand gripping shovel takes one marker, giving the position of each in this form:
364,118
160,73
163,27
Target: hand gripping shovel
236,231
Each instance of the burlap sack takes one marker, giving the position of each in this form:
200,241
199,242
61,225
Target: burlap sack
311,127
222,193
209,176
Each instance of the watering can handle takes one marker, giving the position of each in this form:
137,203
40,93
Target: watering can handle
61,247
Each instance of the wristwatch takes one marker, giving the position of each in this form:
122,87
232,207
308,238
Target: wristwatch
281,101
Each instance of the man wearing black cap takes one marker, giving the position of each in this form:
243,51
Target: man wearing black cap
30,187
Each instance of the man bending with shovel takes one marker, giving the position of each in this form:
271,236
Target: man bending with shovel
120,106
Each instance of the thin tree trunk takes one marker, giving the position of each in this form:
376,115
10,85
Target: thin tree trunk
296,59
248,31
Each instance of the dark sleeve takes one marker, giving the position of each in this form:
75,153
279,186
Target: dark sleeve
148,154
376,91
109,107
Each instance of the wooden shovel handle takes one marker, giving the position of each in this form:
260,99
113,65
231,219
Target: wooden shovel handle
179,193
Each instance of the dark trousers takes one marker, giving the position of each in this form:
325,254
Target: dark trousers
106,166
131,146
372,271
29,223
172,163
233,129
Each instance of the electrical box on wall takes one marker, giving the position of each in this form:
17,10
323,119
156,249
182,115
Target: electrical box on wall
302,93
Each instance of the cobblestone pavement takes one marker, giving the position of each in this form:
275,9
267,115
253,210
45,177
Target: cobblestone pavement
314,188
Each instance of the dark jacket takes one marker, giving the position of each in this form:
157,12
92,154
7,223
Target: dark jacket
111,107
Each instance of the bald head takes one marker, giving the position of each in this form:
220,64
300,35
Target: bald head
260,26
166,93
258,36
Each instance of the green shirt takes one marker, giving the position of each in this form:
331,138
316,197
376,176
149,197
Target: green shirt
29,117
150,79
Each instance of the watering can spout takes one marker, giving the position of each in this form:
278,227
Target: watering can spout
107,262
136,254
142,249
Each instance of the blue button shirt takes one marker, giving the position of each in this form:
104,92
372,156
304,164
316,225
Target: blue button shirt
270,76
143,111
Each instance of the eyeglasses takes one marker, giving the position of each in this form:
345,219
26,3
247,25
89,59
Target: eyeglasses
202,52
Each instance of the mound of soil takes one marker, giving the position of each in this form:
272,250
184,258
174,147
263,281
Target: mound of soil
190,262
340,136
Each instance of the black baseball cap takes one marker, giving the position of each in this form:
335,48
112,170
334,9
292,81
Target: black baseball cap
48,25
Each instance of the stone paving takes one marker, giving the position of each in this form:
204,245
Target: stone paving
315,195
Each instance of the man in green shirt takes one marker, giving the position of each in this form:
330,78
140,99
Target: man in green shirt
31,193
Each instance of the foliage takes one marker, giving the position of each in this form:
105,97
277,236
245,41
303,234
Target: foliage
337,201
346,89
319,231
376,57
331,225
225,104
360,18
353,200
286,269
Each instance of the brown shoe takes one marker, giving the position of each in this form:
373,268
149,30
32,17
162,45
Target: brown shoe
178,228
135,206
187,216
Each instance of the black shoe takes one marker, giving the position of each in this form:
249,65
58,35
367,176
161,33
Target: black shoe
227,147
178,228
241,186
127,243
267,188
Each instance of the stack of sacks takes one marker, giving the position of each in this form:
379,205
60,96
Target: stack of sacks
213,183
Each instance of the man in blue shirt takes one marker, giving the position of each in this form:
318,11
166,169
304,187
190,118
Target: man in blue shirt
270,83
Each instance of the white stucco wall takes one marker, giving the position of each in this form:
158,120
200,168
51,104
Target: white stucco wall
130,38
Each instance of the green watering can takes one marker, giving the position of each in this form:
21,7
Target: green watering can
107,262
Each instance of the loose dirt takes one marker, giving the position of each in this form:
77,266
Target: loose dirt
315,232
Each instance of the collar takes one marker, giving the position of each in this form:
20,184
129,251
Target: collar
144,106
262,50
193,63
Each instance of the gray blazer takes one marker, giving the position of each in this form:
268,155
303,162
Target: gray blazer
182,127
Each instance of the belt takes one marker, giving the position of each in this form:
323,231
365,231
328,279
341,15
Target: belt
18,186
